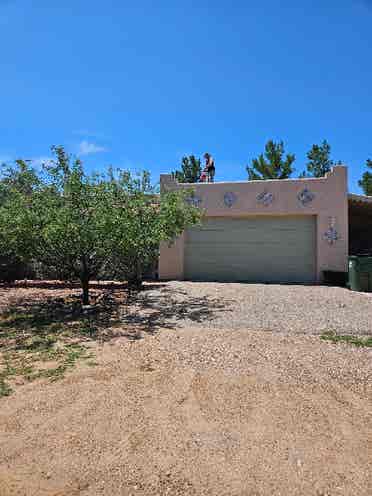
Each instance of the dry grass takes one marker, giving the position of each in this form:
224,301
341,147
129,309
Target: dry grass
43,331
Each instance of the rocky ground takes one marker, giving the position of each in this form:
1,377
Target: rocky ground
272,307
191,397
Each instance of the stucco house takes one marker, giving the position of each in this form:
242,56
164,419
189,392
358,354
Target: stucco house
288,230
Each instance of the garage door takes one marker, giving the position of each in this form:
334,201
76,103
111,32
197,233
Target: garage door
255,249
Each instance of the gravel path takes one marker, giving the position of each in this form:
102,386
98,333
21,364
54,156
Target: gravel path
283,308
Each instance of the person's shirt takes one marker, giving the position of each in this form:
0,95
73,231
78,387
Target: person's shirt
203,176
211,164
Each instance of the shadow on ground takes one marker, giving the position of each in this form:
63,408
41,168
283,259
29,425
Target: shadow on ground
44,330
165,307
114,312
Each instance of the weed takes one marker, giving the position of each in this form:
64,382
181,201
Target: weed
5,389
88,328
335,338
24,353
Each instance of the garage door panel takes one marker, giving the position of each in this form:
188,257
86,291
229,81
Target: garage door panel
249,257
267,249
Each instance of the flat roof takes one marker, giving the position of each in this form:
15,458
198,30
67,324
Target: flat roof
360,198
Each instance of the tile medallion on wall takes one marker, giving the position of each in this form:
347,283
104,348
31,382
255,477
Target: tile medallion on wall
265,198
305,197
194,200
229,199
331,235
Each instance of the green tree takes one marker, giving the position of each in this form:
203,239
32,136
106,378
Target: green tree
143,220
190,170
366,182
319,160
68,236
17,182
271,164
21,177
77,223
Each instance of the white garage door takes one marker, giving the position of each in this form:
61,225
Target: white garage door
255,249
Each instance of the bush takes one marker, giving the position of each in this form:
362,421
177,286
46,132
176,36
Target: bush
13,269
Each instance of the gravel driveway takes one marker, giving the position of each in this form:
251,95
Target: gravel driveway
281,308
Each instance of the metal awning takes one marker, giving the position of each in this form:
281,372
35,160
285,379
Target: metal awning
360,224
360,199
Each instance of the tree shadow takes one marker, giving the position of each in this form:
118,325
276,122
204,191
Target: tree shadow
115,313
64,285
170,308
38,313
43,333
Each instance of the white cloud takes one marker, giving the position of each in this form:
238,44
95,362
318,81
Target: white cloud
86,148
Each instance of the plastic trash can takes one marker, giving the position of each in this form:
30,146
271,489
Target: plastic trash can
360,273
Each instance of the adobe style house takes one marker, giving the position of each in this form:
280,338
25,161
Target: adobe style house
288,230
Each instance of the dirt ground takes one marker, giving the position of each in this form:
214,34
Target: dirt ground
171,409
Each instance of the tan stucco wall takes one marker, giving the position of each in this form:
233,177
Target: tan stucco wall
329,205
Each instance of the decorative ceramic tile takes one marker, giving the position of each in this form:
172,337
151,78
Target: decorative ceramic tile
265,198
229,199
331,235
332,221
194,200
305,196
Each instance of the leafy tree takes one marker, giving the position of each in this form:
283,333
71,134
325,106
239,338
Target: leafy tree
21,177
71,213
319,161
16,181
142,221
366,182
271,164
190,170
77,223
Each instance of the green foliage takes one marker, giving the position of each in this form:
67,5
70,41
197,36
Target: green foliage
77,223
21,178
335,338
13,268
319,161
190,170
17,184
366,182
27,360
142,220
56,222
271,164
5,389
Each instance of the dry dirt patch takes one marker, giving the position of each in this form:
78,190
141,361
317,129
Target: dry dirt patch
195,410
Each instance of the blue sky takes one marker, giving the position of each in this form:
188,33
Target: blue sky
139,84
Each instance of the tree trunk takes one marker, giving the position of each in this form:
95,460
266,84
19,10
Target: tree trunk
85,286
135,279
84,277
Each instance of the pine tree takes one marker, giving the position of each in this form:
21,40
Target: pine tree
319,161
366,182
190,170
271,164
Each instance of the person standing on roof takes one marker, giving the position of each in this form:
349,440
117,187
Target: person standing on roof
209,167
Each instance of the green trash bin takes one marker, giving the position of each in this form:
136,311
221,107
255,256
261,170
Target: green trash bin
360,273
